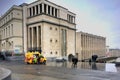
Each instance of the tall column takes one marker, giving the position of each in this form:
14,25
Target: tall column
9,31
54,11
42,8
31,11
50,10
29,38
35,10
5,32
74,19
46,9
32,37
38,37
57,13
38,9
28,11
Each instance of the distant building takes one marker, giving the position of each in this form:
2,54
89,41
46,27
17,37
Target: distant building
40,25
114,52
89,44
11,35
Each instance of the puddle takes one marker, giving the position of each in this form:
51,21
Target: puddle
110,67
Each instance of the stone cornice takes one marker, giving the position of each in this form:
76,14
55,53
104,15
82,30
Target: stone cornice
43,21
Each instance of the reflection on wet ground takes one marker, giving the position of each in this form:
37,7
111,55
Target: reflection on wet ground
108,67
23,71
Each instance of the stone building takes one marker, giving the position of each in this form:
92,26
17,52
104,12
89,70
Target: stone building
40,25
114,52
89,44
11,36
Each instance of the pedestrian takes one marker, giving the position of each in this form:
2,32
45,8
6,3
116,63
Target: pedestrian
74,61
94,58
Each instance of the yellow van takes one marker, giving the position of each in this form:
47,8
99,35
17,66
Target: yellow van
34,58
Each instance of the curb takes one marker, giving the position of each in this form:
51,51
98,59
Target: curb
5,74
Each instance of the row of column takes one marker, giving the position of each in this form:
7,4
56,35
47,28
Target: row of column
43,8
91,45
34,37
71,19
6,32
6,19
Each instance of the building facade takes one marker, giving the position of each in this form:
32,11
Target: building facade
89,44
114,52
42,25
11,37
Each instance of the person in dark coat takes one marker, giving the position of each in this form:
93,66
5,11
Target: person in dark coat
74,61
94,58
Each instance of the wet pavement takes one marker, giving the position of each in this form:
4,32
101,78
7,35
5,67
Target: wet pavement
58,71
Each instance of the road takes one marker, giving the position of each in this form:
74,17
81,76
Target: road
22,71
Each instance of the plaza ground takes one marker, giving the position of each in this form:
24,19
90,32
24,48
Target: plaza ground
53,71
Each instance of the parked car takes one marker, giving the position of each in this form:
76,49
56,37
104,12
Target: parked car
61,59
117,62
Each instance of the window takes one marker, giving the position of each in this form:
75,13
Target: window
36,9
50,40
56,52
11,29
30,11
40,8
49,10
55,12
6,32
4,21
56,29
71,19
11,15
33,11
50,28
12,44
45,8
50,52
52,11
56,41
8,17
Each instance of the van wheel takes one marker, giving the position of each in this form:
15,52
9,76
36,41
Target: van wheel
44,62
28,63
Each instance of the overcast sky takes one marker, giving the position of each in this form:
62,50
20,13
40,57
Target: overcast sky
98,17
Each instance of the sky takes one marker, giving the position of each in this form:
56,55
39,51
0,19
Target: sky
98,17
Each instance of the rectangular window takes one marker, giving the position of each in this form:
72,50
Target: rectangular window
11,29
71,19
33,11
55,12
36,9
40,8
11,15
45,8
30,11
52,11
49,10
8,17
6,32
